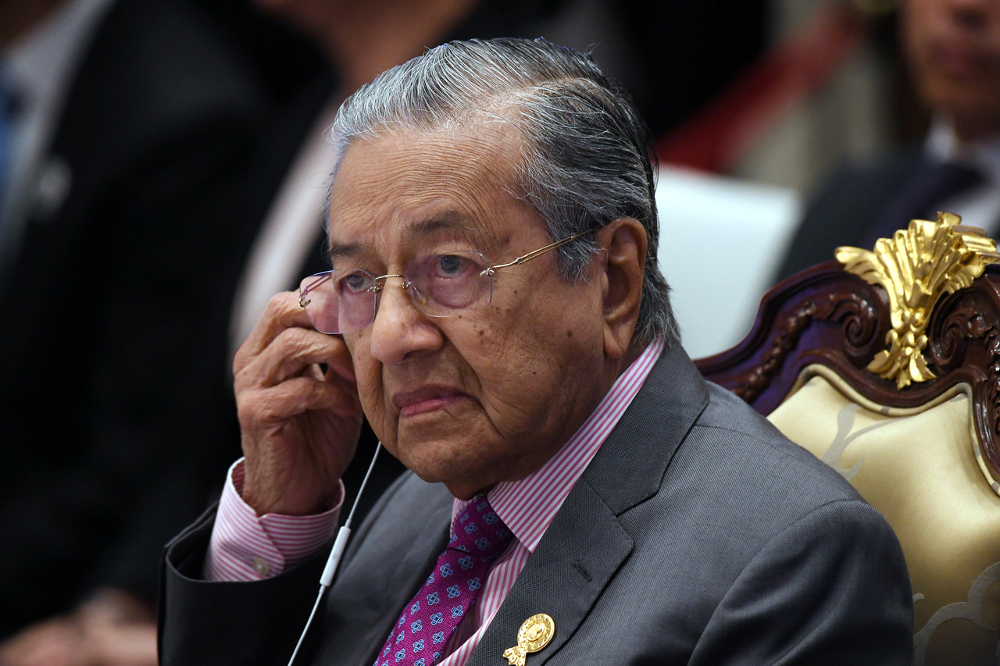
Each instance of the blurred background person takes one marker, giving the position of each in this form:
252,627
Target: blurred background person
860,83
951,50
126,127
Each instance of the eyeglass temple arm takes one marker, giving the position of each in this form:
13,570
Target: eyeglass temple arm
540,251
304,291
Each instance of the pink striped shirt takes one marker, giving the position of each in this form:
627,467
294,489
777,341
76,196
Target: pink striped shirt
245,547
241,540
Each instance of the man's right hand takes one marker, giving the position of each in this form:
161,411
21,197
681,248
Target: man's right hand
300,426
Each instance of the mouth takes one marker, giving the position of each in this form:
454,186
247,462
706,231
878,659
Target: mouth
958,60
426,399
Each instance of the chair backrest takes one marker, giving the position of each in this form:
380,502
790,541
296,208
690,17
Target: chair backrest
886,365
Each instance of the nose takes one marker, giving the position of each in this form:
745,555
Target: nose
400,329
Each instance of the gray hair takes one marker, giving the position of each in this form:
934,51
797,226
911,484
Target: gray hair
586,155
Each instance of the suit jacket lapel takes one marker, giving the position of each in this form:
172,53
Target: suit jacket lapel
586,544
630,465
421,536
408,577
563,577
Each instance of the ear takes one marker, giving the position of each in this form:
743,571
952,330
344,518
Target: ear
624,245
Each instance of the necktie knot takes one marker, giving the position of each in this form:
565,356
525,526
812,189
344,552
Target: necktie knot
478,531
421,634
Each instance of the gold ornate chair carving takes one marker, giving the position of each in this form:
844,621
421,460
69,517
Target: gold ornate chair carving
886,365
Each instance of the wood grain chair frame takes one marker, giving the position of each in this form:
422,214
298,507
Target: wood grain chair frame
885,364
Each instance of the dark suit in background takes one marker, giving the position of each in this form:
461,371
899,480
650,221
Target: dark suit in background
106,360
864,201
847,206
687,539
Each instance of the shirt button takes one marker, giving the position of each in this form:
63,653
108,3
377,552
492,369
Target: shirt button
261,567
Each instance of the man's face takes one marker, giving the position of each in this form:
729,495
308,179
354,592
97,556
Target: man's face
954,50
491,394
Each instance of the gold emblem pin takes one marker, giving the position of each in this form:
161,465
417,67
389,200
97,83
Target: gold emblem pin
534,634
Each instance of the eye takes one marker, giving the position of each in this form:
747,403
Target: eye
356,282
451,265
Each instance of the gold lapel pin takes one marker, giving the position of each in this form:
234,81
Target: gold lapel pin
534,634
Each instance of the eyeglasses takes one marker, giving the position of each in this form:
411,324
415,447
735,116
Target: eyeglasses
344,300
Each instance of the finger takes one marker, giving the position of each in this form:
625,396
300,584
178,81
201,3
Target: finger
291,354
282,312
273,407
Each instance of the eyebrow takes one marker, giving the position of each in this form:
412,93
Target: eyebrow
450,221
340,250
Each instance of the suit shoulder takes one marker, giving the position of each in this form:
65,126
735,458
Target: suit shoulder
740,440
861,185
844,206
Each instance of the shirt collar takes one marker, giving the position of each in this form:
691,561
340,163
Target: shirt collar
943,144
528,506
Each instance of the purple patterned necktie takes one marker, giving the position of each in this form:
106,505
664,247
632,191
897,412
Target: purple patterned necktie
419,637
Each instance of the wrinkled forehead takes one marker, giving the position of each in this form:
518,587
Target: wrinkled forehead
453,178
485,135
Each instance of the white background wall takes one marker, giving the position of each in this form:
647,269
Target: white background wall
720,240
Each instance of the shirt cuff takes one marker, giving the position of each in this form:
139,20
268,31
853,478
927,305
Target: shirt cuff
248,547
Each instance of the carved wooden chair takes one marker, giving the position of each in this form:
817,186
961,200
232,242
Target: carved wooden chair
886,365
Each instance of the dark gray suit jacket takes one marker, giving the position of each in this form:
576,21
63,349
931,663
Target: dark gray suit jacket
697,535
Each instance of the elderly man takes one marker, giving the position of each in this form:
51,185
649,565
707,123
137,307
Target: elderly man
499,317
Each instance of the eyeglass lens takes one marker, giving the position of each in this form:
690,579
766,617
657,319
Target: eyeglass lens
440,285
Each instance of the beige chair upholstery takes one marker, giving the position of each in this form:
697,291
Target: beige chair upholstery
886,366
